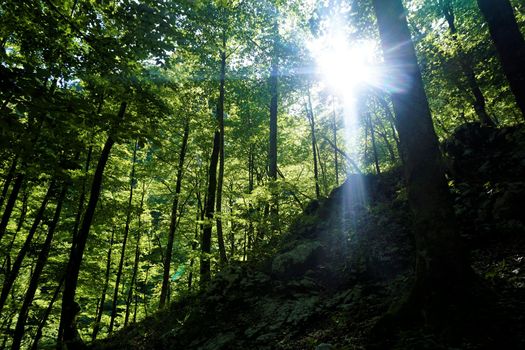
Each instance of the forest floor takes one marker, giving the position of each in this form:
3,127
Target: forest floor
326,283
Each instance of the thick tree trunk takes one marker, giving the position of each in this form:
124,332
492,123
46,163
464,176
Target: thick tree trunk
441,267
35,278
173,220
10,279
98,317
69,333
509,43
124,240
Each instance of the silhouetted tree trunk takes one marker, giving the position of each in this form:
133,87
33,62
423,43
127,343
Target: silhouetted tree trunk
173,220
136,260
274,100
11,203
98,317
441,267
7,182
82,198
43,321
212,195
124,240
208,212
384,135
220,177
69,333
334,133
466,65
10,279
311,120
509,43
374,145
35,278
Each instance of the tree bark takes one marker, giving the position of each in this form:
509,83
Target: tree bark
274,100
136,260
310,116
374,145
35,278
173,221
11,203
441,267
208,212
220,177
10,279
69,333
8,179
334,133
43,321
98,317
124,240
509,43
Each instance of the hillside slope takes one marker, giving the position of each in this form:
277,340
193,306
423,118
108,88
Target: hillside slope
326,283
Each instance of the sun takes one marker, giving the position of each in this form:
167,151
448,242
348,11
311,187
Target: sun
345,67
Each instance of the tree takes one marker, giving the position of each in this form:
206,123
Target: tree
441,268
173,220
509,43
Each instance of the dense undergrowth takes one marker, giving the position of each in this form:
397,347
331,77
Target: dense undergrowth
347,258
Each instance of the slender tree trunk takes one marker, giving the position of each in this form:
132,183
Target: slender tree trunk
199,216
212,182
69,333
7,182
218,207
6,265
374,145
208,212
124,240
384,135
35,278
10,279
466,65
82,198
334,133
81,203
136,260
274,100
174,216
310,115
509,43
43,321
11,203
441,267
98,317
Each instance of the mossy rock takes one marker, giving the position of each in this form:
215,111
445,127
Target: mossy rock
295,262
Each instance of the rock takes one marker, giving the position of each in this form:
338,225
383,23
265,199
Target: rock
296,262
324,346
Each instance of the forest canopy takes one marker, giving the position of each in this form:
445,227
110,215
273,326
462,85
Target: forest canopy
146,145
